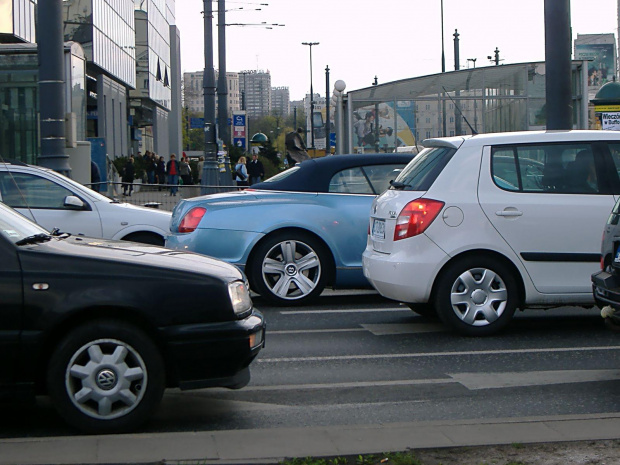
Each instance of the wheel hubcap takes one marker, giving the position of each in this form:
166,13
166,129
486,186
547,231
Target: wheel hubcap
291,270
106,379
479,297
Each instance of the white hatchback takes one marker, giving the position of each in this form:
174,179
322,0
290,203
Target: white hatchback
55,201
478,226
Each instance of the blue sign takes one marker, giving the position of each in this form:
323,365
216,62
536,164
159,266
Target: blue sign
229,122
332,139
196,123
239,142
239,120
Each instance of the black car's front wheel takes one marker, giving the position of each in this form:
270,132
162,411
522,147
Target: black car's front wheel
289,268
106,377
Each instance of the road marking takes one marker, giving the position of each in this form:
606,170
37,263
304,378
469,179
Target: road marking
354,384
349,310
433,354
471,381
404,328
475,381
377,330
313,331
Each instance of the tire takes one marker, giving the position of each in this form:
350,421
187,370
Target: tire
476,296
106,377
289,268
146,238
425,310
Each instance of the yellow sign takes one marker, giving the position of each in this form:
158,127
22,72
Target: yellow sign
606,108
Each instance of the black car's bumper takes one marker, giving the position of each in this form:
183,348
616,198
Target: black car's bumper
213,354
606,289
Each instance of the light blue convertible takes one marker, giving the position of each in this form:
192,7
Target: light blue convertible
296,233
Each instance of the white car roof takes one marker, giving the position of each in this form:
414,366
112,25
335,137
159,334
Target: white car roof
521,137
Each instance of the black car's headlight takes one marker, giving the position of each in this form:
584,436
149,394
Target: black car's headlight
239,293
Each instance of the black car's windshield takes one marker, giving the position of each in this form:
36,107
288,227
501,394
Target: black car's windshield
422,171
16,227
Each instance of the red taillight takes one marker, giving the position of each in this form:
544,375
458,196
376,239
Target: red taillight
191,219
416,217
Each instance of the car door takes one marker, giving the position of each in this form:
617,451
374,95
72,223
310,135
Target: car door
547,212
44,200
10,306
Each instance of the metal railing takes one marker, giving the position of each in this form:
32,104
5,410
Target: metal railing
161,196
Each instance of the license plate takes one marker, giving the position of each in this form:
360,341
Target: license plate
378,229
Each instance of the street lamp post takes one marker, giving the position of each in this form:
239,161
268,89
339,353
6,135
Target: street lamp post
310,44
210,169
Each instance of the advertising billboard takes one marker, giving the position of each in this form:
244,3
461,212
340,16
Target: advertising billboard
601,66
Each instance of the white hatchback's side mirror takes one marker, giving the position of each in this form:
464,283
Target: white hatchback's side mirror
74,202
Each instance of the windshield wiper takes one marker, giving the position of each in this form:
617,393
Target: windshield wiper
34,239
398,185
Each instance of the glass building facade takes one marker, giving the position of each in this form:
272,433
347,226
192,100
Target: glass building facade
490,99
19,98
153,51
17,21
105,29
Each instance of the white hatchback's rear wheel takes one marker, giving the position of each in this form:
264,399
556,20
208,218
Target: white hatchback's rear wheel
476,296
289,268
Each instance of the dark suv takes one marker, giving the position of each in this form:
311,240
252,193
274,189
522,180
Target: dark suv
103,327
606,283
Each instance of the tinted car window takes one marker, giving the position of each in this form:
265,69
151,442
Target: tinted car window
422,171
21,190
557,168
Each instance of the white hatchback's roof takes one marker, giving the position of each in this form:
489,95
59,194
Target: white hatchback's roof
522,137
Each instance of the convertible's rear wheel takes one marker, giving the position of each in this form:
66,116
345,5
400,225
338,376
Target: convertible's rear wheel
477,296
106,377
289,268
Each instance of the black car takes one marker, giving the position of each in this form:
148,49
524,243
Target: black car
606,283
103,327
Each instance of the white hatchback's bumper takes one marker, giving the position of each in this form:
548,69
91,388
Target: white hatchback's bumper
407,274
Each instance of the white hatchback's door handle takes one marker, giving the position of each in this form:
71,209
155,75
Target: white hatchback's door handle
508,213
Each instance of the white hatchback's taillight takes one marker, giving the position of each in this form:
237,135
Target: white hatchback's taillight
416,217
192,218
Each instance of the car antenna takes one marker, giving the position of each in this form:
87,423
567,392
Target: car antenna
473,131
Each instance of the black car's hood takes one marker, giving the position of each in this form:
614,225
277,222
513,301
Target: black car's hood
138,254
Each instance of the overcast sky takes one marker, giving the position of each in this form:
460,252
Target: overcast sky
390,39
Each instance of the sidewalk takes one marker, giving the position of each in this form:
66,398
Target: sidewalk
273,445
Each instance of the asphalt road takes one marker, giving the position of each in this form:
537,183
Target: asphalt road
358,359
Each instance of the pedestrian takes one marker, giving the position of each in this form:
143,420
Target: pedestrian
161,172
95,176
256,171
185,171
129,172
241,173
201,164
172,170
150,167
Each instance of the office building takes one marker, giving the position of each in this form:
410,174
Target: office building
256,92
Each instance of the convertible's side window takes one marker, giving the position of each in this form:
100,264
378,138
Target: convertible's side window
381,175
350,181
21,190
